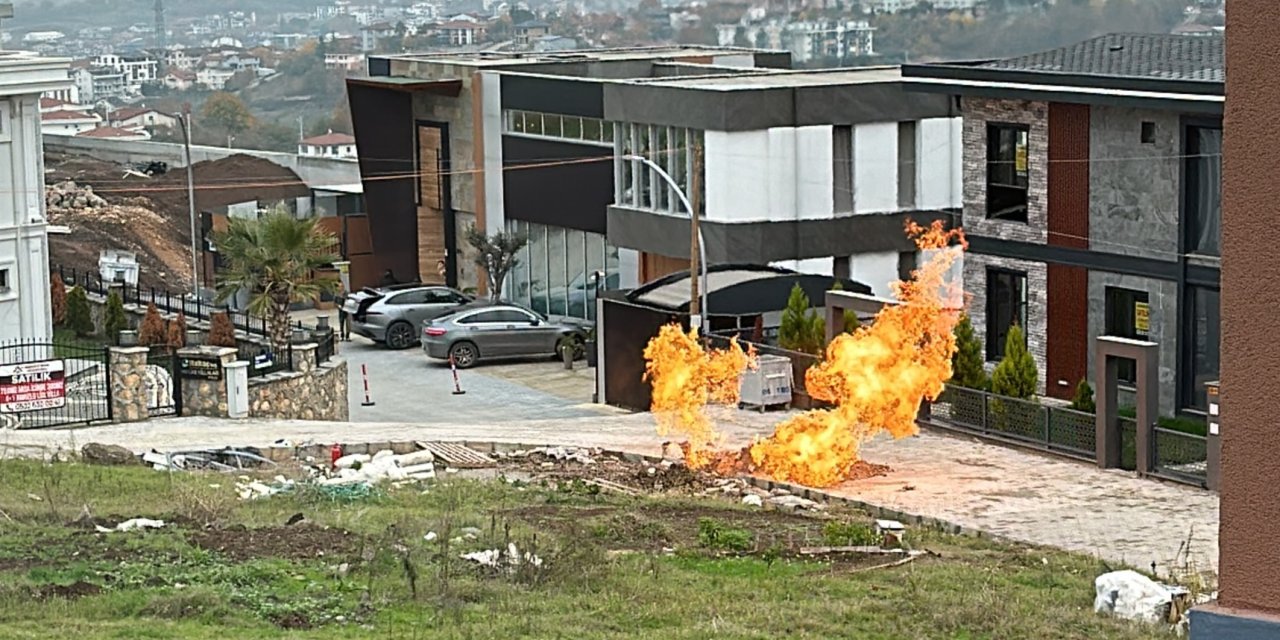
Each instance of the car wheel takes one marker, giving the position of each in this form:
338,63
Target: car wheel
400,336
464,354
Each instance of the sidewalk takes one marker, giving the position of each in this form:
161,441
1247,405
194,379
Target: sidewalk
1003,491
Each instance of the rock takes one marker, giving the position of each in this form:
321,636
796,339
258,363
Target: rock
346,462
779,491
794,503
107,454
753,500
1132,596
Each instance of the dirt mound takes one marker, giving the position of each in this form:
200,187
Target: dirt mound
298,542
106,206
78,589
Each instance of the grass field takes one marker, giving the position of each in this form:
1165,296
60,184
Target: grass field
611,566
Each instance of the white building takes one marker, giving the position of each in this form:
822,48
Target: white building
141,118
24,242
329,145
892,6
99,83
67,122
346,61
954,5
115,265
213,79
70,94
137,70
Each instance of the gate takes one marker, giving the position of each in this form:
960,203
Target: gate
163,384
53,384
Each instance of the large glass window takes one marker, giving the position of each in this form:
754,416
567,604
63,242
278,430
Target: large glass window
1006,307
538,268
563,127
640,185
1128,316
1201,338
1007,171
555,274
1203,185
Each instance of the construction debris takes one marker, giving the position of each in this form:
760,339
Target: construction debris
250,489
456,455
132,525
509,559
383,465
68,195
1130,595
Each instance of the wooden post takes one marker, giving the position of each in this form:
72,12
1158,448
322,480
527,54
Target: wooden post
695,268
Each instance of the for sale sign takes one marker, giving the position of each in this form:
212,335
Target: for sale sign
32,386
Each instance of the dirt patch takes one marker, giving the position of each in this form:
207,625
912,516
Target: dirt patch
299,542
78,589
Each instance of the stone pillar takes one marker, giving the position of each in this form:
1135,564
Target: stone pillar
304,357
1248,604
1146,356
128,383
201,396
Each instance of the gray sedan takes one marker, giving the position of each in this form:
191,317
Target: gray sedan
496,331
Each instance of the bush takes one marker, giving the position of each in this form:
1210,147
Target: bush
850,534
713,534
851,321
1016,375
177,337
801,329
1083,400
113,319
152,331
78,318
58,300
221,332
967,365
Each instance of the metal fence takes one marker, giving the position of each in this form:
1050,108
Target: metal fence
1062,431
262,360
1175,455
162,383
187,304
53,384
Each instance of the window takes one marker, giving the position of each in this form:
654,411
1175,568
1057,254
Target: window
482,317
1128,315
1201,339
639,185
907,165
440,296
513,316
1203,190
1006,307
1007,175
1148,132
842,168
409,297
559,126
4,281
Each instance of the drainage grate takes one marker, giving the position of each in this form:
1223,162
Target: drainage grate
456,455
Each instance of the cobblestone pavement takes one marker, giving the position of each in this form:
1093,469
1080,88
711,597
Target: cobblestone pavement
1003,491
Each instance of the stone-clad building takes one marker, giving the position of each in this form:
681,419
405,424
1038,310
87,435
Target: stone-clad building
1092,202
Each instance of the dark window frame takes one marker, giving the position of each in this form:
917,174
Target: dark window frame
1191,393
1120,320
995,338
1192,224
1003,196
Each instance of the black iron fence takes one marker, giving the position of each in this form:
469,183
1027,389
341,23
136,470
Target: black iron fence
187,304
1175,455
263,359
53,384
1058,430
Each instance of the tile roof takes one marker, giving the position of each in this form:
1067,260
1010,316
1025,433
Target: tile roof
330,139
48,103
1147,56
109,132
66,114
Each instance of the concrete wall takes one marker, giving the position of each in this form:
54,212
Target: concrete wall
876,270
314,171
1134,187
783,173
875,167
1163,298
458,113
939,155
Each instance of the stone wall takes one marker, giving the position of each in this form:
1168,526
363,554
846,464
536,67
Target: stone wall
975,285
128,384
206,397
309,392
1162,296
977,113
1134,195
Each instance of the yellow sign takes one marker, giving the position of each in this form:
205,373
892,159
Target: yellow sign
1020,159
1142,317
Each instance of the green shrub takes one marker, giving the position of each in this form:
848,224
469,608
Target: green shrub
967,365
713,534
801,329
1083,400
78,318
1016,375
114,320
850,534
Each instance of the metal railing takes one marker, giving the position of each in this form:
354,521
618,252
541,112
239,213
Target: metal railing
1179,456
1057,430
263,361
164,300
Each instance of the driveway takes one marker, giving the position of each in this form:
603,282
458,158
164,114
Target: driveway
406,386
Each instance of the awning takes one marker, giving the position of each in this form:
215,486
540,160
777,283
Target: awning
449,88
739,290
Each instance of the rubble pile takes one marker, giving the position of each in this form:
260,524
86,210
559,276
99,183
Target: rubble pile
68,195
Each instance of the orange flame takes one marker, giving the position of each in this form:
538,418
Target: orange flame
685,379
876,376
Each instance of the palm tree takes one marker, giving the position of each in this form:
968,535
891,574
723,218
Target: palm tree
274,259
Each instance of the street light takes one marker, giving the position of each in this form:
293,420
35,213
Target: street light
185,120
695,321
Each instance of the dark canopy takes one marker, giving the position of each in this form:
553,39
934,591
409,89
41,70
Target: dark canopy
739,290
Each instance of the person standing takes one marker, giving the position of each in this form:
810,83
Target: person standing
344,324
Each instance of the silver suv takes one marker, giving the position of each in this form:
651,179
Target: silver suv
392,315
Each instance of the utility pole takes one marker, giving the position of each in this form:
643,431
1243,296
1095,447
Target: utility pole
695,266
185,119
301,135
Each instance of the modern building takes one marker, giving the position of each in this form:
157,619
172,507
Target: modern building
530,30
836,41
137,70
371,34
99,83
811,170
329,145
1092,203
345,61
461,33
24,243
213,79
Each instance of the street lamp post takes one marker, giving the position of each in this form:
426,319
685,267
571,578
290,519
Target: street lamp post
185,120
695,320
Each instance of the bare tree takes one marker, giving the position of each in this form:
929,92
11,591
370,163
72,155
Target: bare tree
496,254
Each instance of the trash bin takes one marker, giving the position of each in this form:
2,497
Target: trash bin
769,384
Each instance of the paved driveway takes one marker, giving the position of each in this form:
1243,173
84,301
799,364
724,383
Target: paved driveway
406,386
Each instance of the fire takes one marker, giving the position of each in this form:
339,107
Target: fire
686,378
875,377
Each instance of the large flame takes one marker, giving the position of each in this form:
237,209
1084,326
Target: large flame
686,378
876,377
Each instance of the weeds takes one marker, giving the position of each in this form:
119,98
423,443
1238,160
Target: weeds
850,534
714,534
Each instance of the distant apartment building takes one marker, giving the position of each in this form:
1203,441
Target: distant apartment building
891,6
70,94
822,40
461,33
177,79
99,83
136,70
329,145
371,34
955,5
213,79
344,61
24,243
528,31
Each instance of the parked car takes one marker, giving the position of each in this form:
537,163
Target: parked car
391,315
487,331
